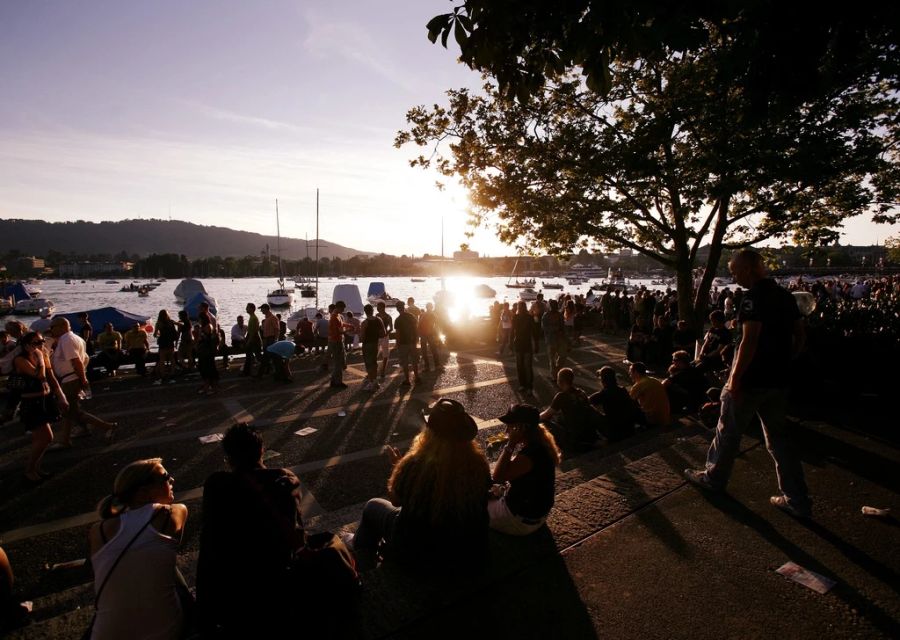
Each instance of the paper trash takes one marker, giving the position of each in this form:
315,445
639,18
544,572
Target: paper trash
213,437
810,579
268,454
305,431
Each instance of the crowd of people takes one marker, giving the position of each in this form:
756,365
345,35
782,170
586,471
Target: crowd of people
442,496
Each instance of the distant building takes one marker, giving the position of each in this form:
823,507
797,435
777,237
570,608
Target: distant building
29,264
91,269
465,255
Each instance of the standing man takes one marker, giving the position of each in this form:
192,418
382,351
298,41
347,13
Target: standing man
384,345
252,341
86,332
407,336
428,330
554,335
772,333
69,360
137,344
371,331
336,329
523,345
270,329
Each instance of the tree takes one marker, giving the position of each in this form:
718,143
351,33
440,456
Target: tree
667,160
787,51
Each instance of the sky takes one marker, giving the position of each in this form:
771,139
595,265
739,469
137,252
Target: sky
208,110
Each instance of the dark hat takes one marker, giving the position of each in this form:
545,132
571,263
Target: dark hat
521,414
448,419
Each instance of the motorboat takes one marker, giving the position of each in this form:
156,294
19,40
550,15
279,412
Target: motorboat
192,306
33,306
350,296
6,306
552,285
484,291
307,312
526,295
377,293
417,279
521,284
112,282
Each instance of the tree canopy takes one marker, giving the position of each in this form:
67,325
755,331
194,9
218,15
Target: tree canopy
673,151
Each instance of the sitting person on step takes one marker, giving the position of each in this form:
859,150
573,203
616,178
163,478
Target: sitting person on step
436,518
619,413
251,529
650,395
525,473
570,416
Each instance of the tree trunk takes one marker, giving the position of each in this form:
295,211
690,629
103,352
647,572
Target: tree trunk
701,300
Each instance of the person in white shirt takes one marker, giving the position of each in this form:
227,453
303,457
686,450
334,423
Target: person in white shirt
238,334
69,360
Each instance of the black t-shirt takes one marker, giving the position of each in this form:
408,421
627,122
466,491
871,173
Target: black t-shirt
386,320
777,310
715,339
374,330
531,495
523,332
406,328
251,526
620,410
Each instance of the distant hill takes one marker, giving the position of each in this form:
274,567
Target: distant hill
143,237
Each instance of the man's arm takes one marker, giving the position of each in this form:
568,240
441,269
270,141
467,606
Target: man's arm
746,351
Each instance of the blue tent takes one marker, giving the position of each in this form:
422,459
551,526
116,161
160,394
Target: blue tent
15,289
121,320
192,306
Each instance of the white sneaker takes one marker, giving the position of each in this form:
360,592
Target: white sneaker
157,383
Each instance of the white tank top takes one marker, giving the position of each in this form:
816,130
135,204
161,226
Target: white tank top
139,602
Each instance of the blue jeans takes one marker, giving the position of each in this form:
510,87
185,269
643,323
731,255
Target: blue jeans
336,355
376,524
770,405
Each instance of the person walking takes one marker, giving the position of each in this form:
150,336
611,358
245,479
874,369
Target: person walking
554,336
407,336
69,360
166,334
772,333
384,345
428,336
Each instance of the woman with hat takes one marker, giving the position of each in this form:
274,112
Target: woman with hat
437,512
525,473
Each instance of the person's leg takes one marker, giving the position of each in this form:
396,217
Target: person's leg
376,524
403,357
520,368
78,415
41,437
528,368
788,468
423,340
725,446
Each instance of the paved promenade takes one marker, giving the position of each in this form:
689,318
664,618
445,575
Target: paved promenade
630,551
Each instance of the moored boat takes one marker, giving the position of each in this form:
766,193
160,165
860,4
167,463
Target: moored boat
33,306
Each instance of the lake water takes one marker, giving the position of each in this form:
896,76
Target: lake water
232,295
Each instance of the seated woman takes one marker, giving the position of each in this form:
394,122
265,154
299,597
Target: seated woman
38,408
522,507
251,528
437,513
133,551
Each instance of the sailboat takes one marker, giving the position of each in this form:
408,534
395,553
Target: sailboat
519,284
280,297
443,298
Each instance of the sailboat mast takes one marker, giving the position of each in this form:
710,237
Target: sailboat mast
317,248
278,245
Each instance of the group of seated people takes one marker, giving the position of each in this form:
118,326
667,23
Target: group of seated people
443,498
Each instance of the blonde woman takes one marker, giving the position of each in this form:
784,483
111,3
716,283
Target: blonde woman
133,551
525,474
437,512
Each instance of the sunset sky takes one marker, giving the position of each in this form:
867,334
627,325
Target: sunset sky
210,109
